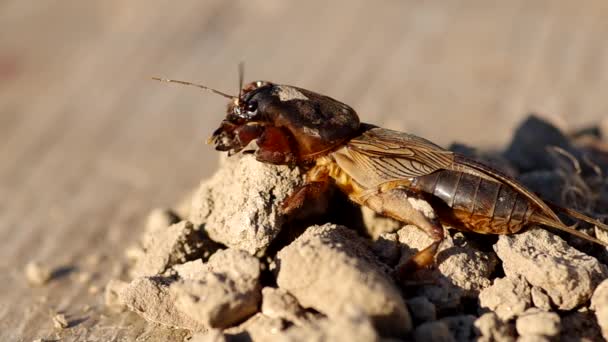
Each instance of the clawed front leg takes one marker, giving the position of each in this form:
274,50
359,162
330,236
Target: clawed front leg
315,185
275,146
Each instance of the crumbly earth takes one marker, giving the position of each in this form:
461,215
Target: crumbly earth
228,266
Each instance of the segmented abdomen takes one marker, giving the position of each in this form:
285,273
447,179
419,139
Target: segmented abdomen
478,204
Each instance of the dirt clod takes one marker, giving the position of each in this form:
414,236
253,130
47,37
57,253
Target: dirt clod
329,267
60,321
599,303
492,328
462,270
239,205
37,274
507,297
151,298
225,292
535,322
278,303
544,260
352,325
165,247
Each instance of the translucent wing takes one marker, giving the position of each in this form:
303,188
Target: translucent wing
396,156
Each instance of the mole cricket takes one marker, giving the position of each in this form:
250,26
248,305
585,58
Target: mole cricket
387,171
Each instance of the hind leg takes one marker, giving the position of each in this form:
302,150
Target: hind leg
408,207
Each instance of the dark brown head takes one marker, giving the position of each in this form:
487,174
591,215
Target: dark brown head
288,124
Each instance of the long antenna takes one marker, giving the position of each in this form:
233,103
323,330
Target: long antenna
195,85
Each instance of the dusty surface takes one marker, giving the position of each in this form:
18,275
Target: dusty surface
89,145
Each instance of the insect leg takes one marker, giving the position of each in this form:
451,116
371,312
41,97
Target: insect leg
246,133
408,207
317,181
274,146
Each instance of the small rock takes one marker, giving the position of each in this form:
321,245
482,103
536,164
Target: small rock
507,297
351,324
150,298
465,266
239,205
228,292
461,327
599,303
194,269
278,303
84,277
491,328
197,296
436,331
211,335
112,293
329,267
37,274
257,328
539,323
566,275
166,247
421,309
462,270
60,322
540,299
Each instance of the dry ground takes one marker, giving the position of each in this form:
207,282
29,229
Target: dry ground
88,144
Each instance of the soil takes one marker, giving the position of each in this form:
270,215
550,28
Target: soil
229,266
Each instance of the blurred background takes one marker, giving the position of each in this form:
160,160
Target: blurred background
89,144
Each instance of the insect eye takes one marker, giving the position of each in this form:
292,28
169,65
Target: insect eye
251,106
